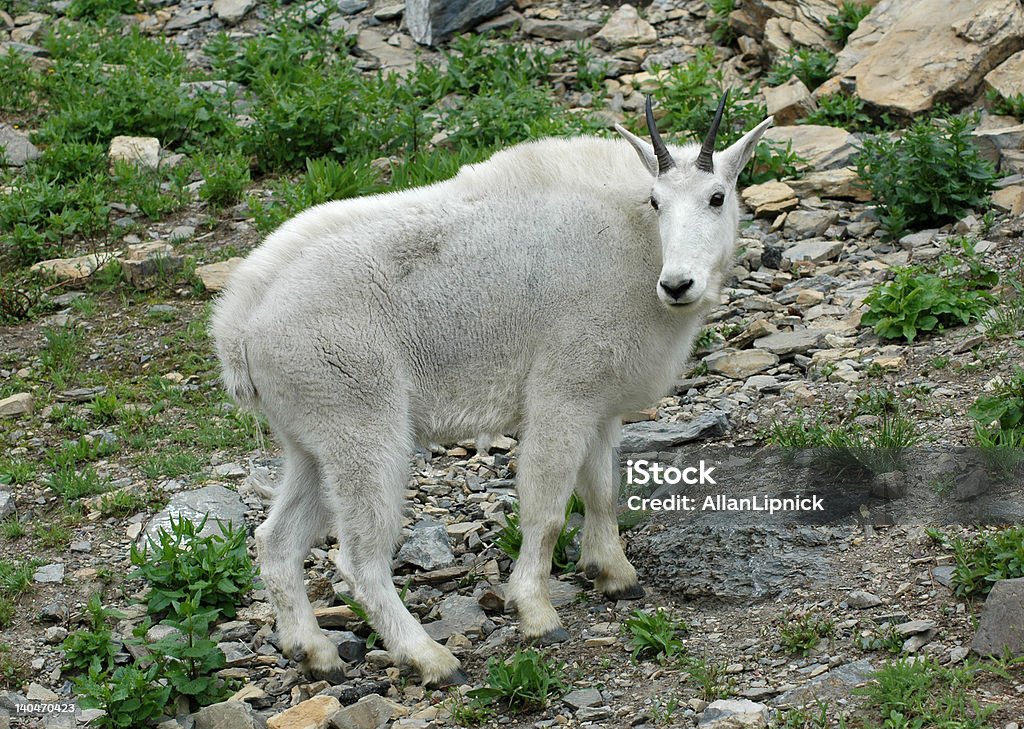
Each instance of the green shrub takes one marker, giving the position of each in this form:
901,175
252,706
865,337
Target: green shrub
225,177
1006,105
100,9
986,559
813,67
919,692
801,634
917,301
130,697
17,92
718,21
1002,411
92,649
949,175
845,111
842,24
188,660
524,682
215,571
654,635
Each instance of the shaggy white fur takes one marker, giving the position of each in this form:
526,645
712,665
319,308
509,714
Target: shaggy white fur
538,293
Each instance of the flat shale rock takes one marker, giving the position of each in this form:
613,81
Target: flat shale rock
820,147
655,436
1001,628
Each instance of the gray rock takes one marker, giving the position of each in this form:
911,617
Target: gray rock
140,151
819,147
861,599
351,648
351,7
215,275
55,634
656,436
581,698
830,686
218,503
49,573
789,102
225,715
232,11
798,341
734,713
810,223
559,29
562,593
81,394
183,20
18,404
625,28
943,574
236,653
459,614
181,233
230,470
739,365
15,147
918,239
817,251
434,21
1008,77
389,12
592,713
7,507
84,546
911,627
1000,628
428,547
370,712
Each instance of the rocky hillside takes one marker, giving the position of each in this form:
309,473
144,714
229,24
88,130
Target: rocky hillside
866,346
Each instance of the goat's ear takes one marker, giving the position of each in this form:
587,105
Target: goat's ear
735,158
642,148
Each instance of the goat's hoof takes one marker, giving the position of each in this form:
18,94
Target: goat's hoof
333,675
298,655
633,592
457,677
557,635
592,571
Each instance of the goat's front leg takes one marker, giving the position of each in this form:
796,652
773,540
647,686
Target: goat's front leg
549,461
603,559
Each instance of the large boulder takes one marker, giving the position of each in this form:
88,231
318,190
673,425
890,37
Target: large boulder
434,21
908,55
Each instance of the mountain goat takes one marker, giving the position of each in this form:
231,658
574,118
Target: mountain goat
543,292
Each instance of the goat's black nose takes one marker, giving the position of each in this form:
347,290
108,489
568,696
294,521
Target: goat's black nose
678,288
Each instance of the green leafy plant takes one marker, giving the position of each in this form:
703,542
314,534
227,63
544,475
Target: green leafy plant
225,177
181,565
1006,105
921,693
917,301
813,67
16,471
950,176
100,9
188,660
1000,415
711,677
131,697
718,21
843,23
800,634
842,110
92,650
986,559
522,683
885,638
654,635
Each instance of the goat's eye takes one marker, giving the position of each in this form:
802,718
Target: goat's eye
716,200
654,203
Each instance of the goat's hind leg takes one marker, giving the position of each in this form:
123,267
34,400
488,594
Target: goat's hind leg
298,518
367,485
603,559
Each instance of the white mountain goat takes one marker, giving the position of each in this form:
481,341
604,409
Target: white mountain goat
543,292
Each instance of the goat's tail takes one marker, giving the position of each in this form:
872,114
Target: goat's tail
236,375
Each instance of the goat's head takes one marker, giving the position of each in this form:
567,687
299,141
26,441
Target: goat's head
694,199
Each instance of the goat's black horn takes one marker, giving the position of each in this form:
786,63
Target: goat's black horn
665,161
704,161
